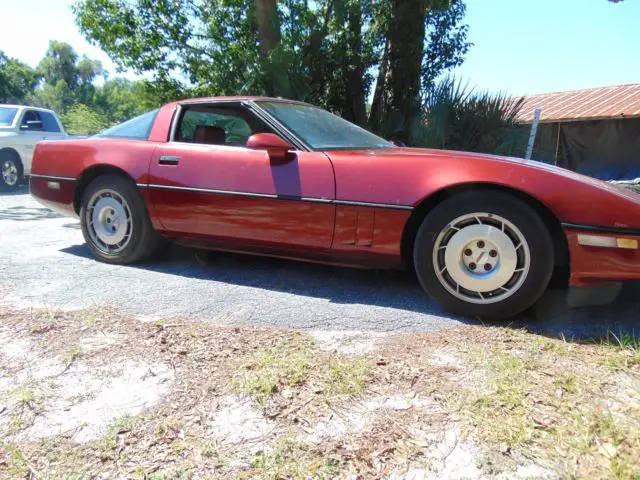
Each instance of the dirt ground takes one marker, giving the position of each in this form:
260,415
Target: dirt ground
99,394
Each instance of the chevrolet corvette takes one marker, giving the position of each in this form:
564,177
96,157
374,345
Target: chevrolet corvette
484,234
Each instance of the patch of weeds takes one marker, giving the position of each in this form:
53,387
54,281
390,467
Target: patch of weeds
597,434
17,464
346,377
178,474
210,448
74,354
624,351
568,382
558,347
291,460
90,318
505,401
15,423
120,425
168,427
25,397
283,365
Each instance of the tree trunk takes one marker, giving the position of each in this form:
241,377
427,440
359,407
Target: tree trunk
378,106
406,48
268,28
355,76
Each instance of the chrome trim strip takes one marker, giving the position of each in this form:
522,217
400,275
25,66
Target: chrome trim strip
52,177
277,197
602,228
174,122
370,204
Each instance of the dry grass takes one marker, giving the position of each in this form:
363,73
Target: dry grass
518,398
552,402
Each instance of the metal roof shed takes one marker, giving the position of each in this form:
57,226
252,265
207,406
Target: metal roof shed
595,131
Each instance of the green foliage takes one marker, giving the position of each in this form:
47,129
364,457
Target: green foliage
283,365
16,79
82,120
325,52
58,97
455,117
67,84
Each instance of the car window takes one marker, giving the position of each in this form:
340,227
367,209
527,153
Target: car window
137,128
214,126
49,122
31,121
7,115
323,130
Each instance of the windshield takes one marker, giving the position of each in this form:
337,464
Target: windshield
7,115
322,130
137,128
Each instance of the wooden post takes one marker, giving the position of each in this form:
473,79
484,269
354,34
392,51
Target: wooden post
532,135
555,157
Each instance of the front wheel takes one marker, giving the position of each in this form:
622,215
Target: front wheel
484,254
115,222
11,171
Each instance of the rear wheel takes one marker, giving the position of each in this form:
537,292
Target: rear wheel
115,222
11,171
484,254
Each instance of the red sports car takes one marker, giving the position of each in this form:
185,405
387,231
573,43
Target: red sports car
268,176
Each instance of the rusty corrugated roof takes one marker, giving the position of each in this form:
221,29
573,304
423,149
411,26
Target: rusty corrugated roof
622,101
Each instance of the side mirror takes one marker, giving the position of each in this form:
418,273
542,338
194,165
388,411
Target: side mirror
277,148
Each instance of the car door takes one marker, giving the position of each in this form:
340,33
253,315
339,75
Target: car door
210,185
31,131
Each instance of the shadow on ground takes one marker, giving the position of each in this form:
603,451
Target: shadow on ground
25,214
21,189
391,289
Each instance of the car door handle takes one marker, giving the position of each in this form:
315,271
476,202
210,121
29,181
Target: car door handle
169,160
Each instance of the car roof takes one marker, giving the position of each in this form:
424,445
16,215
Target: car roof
25,106
238,99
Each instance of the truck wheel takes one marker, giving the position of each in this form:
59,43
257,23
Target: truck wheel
115,222
11,171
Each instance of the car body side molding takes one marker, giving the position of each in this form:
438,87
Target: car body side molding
277,197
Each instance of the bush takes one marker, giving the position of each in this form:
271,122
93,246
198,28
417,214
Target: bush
456,117
82,120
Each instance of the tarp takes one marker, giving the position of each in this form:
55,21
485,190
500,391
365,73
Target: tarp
605,149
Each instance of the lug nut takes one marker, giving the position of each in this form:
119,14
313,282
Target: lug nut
493,253
472,266
487,266
480,244
468,252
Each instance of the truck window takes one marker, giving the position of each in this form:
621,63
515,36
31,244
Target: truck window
31,121
49,122
7,115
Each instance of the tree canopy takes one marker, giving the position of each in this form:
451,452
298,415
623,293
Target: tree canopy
335,53
77,88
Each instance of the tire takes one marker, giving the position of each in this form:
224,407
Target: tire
484,254
115,222
11,170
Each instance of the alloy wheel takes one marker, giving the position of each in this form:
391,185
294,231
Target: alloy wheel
109,221
481,258
10,173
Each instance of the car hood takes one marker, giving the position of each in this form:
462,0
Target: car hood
420,153
7,133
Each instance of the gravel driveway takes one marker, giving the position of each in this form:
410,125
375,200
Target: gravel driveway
44,263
